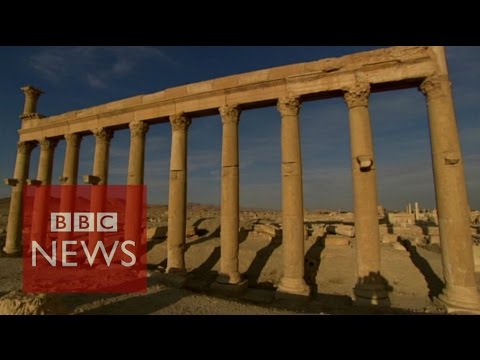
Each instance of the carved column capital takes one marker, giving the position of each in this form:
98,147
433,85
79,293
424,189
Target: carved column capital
31,91
357,95
432,87
47,144
138,128
103,135
73,139
180,121
25,147
288,105
230,114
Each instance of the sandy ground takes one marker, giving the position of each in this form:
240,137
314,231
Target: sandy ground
414,275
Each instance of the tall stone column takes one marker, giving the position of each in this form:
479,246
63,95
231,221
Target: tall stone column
460,291
103,136
417,212
230,207
136,159
44,178
177,196
371,287
13,244
292,281
68,180
136,165
70,165
99,179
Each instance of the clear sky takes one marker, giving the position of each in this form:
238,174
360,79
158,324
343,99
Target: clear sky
79,77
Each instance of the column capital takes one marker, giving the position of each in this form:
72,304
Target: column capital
74,139
357,95
47,144
432,87
180,121
103,135
230,114
288,105
31,91
25,147
138,128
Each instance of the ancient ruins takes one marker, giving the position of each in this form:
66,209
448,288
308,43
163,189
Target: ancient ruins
352,77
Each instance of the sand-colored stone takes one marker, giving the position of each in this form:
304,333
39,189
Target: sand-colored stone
368,289
44,177
230,208
292,281
177,195
401,218
336,240
388,238
450,190
346,230
13,243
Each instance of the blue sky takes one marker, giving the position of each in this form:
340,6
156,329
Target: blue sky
79,77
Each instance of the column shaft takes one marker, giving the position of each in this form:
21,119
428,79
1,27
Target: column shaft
370,287
230,207
451,197
136,165
177,196
42,193
292,281
13,244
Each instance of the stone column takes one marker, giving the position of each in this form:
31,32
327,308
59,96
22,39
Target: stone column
70,165
13,244
371,286
409,208
31,98
292,281
136,166
177,196
230,207
136,159
451,195
99,179
42,193
69,180
417,212
103,137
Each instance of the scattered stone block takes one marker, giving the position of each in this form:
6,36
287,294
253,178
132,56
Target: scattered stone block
388,238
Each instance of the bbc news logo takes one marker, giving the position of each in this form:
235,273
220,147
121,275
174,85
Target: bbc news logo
81,238
83,221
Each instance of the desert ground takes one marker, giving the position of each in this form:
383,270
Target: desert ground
410,252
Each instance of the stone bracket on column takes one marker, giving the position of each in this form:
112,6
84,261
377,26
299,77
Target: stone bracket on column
91,179
11,182
63,179
34,182
452,158
365,162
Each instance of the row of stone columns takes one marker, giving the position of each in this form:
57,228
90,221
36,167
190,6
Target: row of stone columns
371,287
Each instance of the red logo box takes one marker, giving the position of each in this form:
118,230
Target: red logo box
84,238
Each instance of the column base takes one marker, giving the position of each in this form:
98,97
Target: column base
174,277
370,294
290,286
12,251
229,279
459,299
229,289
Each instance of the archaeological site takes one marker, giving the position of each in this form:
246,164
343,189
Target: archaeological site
228,259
